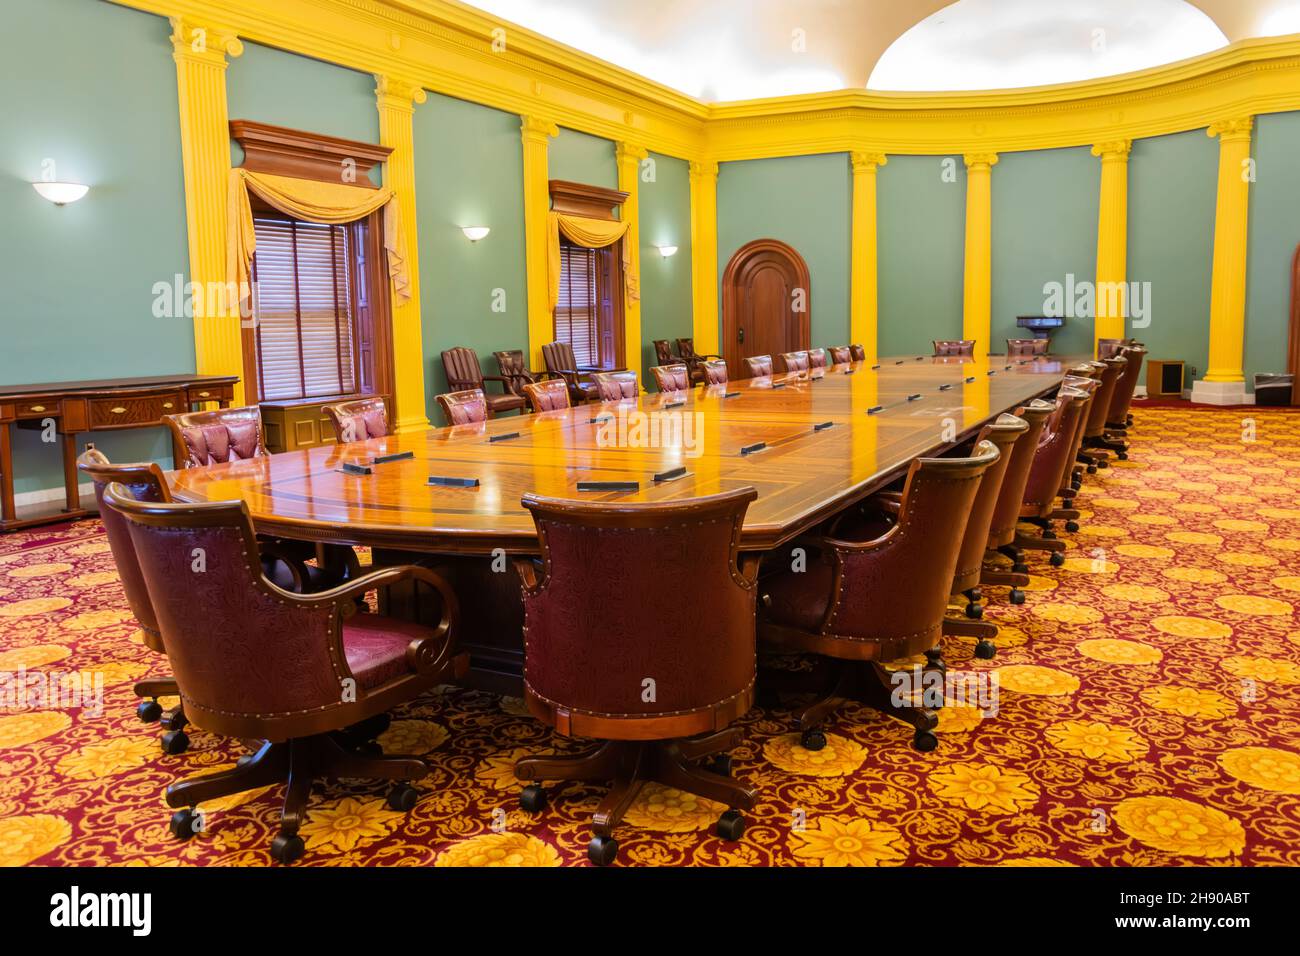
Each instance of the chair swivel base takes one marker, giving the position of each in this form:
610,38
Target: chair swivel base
298,763
631,764
1043,543
868,683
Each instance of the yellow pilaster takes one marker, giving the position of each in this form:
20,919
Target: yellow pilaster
704,256
629,157
863,317
396,99
1228,280
200,50
1112,240
977,290
536,132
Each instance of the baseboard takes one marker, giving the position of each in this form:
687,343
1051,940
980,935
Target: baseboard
44,495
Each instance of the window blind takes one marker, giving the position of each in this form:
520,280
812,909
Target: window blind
577,314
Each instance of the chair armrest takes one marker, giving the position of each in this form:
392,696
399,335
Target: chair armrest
277,552
528,569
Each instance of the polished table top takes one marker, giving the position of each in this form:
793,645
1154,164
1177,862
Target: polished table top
802,475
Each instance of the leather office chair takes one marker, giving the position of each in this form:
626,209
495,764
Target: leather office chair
464,408
858,352
615,386
255,661
547,396
1024,347
692,359
217,436
617,625
715,372
664,352
514,369
795,361
758,366
1108,348
954,346
1096,444
561,360
465,374
841,355
1119,417
1002,525
671,378
816,358
358,420
862,603
1052,463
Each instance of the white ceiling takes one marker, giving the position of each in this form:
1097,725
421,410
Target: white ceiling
721,50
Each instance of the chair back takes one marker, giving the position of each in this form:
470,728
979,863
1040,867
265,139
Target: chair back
795,361
464,407
1055,453
954,346
144,482
1099,413
816,358
671,378
1123,399
547,395
559,357
514,369
1005,433
686,351
841,355
1028,346
615,386
1002,524
217,436
758,366
663,352
358,420
858,353
1108,348
618,595
462,369
715,372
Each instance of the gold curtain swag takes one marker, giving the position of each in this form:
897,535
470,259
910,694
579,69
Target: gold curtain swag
312,201
593,234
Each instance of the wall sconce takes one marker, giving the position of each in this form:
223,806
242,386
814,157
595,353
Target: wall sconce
475,233
61,193
666,251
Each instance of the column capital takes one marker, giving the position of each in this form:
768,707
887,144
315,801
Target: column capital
1115,150
397,92
203,42
980,160
537,128
865,161
701,168
629,152
1232,128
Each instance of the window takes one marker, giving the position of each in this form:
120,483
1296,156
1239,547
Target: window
305,309
577,315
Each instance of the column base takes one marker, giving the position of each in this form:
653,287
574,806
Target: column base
1221,393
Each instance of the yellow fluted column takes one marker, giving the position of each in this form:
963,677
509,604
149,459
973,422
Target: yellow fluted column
704,256
1228,280
977,290
1112,240
200,50
863,281
629,157
396,99
536,132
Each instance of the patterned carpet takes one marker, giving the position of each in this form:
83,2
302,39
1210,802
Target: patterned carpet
1148,715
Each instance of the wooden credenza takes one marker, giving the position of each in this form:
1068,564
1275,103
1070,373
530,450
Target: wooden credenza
103,404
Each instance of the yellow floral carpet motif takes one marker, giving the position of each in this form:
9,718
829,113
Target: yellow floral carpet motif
1147,714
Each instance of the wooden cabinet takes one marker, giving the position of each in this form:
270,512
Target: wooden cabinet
299,423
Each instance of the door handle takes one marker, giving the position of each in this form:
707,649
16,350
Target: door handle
740,335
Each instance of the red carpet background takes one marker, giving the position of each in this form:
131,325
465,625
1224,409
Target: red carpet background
1149,714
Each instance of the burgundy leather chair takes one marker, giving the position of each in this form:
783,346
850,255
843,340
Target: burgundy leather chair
795,361
547,396
954,346
858,352
464,408
561,361
693,360
816,358
1108,348
1024,347
1118,418
1097,446
862,603
671,378
217,436
615,386
514,369
664,352
465,374
596,644
358,420
758,366
255,661
841,355
1052,462
1002,525
715,372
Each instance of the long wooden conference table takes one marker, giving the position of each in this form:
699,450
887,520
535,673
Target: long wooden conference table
811,444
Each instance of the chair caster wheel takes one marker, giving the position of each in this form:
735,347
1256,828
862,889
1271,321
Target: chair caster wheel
1072,526
1092,469
721,765
602,850
924,741
985,650
1057,559
403,797
175,720
287,847
1103,464
974,611
149,711
1017,596
1020,568
532,798
182,825
731,825
1122,455
175,742
812,739
1049,534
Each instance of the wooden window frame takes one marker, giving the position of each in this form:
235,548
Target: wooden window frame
596,202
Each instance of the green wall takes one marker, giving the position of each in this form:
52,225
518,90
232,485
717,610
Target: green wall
666,306
806,202
579,158
1172,182
93,87
468,172
1044,228
1274,234
920,228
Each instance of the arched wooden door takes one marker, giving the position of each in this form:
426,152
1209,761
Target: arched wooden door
766,304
